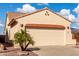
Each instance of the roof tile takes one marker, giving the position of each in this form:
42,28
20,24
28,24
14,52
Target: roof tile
44,26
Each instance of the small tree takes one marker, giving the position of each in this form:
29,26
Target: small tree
23,39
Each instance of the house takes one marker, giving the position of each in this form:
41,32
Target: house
45,27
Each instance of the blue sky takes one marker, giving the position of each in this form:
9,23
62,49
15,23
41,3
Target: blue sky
64,9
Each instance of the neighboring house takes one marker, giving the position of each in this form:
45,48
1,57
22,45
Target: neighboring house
45,27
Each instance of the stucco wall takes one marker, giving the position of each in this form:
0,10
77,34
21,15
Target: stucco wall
41,18
69,39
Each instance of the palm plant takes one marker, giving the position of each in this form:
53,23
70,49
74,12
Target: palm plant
23,39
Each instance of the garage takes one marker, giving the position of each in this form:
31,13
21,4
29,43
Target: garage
44,34
51,29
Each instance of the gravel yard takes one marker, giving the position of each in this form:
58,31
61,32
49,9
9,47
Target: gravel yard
16,52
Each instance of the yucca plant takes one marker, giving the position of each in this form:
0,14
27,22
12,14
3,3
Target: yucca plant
23,38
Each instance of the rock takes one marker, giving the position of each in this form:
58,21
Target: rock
23,53
1,47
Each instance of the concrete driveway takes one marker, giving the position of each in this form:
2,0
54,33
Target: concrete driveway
57,51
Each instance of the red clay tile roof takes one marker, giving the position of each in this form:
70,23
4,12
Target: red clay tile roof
50,26
14,15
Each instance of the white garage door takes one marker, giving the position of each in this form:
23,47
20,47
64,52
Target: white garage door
44,37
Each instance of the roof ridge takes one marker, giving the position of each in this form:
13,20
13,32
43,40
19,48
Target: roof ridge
33,12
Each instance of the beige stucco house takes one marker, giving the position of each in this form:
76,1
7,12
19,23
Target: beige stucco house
45,27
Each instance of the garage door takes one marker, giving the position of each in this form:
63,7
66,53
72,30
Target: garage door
44,37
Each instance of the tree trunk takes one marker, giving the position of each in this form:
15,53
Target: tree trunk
26,46
22,48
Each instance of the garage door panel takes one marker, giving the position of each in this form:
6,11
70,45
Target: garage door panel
44,37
